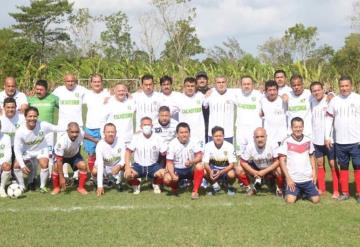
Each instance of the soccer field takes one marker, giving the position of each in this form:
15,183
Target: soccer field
123,219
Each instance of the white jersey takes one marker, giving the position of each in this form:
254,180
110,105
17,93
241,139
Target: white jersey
32,140
95,108
67,148
297,158
345,112
261,157
190,112
179,153
146,106
299,106
19,97
318,115
70,105
5,149
219,157
121,114
108,155
171,101
284,90
146,150
275,122
168,132
10,125
222,111
248,109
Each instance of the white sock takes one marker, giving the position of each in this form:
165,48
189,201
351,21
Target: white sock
5,176
119,177
76,174
44,174
19,177
65,170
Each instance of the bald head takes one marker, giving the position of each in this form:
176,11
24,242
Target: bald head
70,81
73,130
260,137
10,86
120,92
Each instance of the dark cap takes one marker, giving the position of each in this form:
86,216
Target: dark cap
201,74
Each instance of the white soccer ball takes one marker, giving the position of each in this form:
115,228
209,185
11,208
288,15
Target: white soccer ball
14,190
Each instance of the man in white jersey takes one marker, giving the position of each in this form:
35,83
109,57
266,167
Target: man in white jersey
222,108
219,161
183,161
190,110
147,101
67,150
298,164
319,105
120,111
11,91
5,161
280,79
273,110
110,158
260,160
95,102
202,86
169,96
30,145
343,118
147,147
247,112
299,104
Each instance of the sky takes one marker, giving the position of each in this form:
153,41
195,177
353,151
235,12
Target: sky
251,22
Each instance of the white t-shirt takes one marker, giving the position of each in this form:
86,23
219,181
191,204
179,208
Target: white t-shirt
222,111
70,104
66,148
19,97
171,101
95,108
10,125
318,112
284,90
168,132
219,157
299,106
191,113
5,149
275,122
346,113
121,114
146,106
297,158
180,153
262,158
146,150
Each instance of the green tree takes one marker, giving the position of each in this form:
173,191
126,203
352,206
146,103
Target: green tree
229,51
275,51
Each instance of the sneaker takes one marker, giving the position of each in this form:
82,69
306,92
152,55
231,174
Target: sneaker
231,191
343,197
279,193
82,191
250,190
119,187
216,187
3,193
55,191
194,196
257,183
136,189
44,190
157,189
335,195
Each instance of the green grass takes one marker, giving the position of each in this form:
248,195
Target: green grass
124,219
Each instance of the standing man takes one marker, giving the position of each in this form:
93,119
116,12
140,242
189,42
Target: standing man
170,98
5,162
281,81
343,118
11,91
202,86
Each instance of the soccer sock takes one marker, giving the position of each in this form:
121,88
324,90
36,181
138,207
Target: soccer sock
357,181
65,170
51,166
198,176
321,178
280,181
344,181
134,182
335,180
19,177
244,179
82,179
158,181
44,174
55,180
91,162
173,185
5,176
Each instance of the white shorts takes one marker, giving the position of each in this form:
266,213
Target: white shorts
49,138
244,135
38,154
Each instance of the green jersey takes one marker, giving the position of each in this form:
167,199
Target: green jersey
46,106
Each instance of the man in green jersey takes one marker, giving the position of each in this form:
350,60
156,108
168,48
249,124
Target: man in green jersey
46,104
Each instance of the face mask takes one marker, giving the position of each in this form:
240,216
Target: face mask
146,130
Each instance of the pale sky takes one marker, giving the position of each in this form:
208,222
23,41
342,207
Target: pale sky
251,22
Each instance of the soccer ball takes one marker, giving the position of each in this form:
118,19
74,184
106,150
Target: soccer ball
14,190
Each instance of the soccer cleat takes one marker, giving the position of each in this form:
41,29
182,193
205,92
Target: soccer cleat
55,191
44,190
335,195
343,197
211,191
119,187
231,191
136,189
216,187
250,191
194,196
3,193
82,191
257,183
157,189
69,182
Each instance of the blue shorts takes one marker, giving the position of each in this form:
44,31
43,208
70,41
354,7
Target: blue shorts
228,139
73,161
322,150
146,171
184,173
90,146
346,151
223,177
308,189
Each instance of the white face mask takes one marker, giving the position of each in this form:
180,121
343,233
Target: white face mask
146,130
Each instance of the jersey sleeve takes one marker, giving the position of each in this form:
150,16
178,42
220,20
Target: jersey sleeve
282,150
311,149
18,147
132,145
99,163
60,147
231,154
48,127
170,155
274,151
206,157
7,150
246,155
122,154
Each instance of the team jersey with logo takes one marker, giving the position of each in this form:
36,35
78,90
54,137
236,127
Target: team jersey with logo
10,125
168,132
5,149
179,153
67,148
146,106
261,157
95,103
297,158
19,97
171,101
219,157
46,106
248,110
318,112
